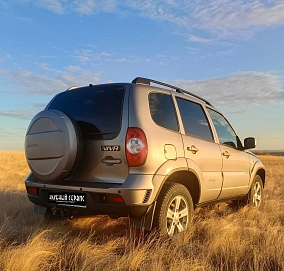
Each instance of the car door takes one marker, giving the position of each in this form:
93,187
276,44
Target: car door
201,152
235,161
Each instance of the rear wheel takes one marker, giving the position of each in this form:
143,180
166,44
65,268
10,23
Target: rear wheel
174,209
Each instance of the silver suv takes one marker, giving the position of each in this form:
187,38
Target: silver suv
146,149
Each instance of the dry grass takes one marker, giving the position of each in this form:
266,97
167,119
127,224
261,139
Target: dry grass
220,238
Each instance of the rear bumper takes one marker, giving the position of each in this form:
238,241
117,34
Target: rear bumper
136,192
113,210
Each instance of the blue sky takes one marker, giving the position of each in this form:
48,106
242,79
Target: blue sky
229,52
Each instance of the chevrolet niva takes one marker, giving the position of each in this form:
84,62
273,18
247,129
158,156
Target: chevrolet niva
147,150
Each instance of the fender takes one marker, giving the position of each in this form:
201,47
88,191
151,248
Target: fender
255,168
170,167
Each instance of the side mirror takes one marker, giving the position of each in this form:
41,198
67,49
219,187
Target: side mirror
249,143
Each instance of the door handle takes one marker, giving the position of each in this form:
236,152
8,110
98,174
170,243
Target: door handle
111,161
193,149
226,154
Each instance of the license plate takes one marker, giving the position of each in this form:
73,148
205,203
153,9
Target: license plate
72,199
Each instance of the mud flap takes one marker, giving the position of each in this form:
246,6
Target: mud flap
41,210
146,221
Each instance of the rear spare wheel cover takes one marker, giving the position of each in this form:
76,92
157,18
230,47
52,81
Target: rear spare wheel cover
51,145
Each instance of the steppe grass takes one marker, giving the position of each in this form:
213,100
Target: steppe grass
221,238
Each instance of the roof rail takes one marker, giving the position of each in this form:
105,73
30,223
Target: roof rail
74,87
146,81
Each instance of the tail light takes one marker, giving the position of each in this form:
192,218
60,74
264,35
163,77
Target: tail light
136,147
32,191
115,199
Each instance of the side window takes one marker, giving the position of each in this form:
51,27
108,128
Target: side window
194,119
162,110
224,130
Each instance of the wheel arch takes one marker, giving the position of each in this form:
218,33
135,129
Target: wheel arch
261,173
257,169
186,178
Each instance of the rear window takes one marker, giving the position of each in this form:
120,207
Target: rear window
97,110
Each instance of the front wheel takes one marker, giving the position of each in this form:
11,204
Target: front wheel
174,209
254,197
256,193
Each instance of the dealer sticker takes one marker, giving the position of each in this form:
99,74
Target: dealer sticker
77,199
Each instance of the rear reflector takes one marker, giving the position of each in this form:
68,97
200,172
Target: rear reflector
115,199
136,147
32,191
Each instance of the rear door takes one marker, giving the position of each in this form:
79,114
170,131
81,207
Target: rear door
235,162
201,151
98,112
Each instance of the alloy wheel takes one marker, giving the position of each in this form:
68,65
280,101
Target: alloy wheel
257,194
177,215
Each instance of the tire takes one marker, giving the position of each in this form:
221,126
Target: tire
254,197
174,209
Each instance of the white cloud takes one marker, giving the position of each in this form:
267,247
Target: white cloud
121,60
31,83
27,112
4,8
2,71
106,54
240,89
85,55
224,17
228,15
85,7
7,56
193,38
55,6
197,39
19,113
44,66
73,68
91,6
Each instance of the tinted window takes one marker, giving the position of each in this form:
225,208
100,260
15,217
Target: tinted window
194,120
162,110
97,109
225,132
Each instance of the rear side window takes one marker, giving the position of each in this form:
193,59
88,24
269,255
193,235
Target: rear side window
194,119
97,110
163,111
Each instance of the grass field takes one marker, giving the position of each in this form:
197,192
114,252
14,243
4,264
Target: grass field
220,238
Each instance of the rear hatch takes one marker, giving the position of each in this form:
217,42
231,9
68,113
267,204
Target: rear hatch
101,114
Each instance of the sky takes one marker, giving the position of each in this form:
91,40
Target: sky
230,52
